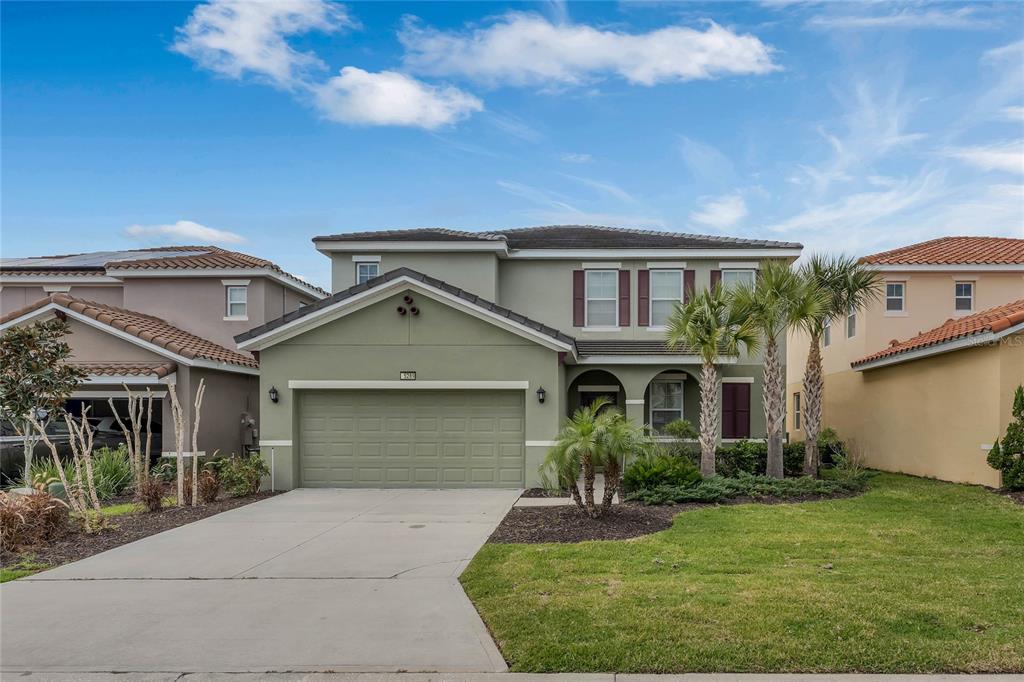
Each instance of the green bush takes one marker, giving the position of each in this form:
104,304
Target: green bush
831,448
1008,456
112,471
719,488
241,475
659,470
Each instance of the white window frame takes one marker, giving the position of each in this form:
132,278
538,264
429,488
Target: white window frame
682,402
826,333
228,302
587,326
902,298
797,414
750,271
851,317
957,297
650,303
359,265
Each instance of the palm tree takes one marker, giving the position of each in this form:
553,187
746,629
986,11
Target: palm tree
846,286
593,437
711,325
781,298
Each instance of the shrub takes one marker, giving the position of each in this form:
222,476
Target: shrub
209,486
659,470
831,448
1008,456
112,471
30,519
719,488
241,475
151,493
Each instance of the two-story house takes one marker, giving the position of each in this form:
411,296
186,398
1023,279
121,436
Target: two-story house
151,318
448,358
892,384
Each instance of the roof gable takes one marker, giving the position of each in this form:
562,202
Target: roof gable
372,291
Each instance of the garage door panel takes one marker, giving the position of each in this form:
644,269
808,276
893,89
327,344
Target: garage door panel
412,438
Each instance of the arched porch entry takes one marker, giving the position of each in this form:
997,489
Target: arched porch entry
591,385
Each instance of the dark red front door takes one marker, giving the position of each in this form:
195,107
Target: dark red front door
735,410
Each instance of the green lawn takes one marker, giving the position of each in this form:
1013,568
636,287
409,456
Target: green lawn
912,576
20,570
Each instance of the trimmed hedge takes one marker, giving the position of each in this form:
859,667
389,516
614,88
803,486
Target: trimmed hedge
719,488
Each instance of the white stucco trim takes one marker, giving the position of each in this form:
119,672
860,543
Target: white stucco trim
366,298
582,388
739,265
737,380
601,265
275,443
235,282
389,384
939,348
129,379
635,401
125,336
220,273
365,259
601,330
56,288
649,360
666,265
629,254
541,443
236,318
85,395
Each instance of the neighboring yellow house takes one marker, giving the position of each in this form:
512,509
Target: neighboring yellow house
892,385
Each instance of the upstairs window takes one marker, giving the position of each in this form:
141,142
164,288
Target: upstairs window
732,278
826,333
666,293
851,323
964,296
796,411
602,293
237,302
366,271
894,297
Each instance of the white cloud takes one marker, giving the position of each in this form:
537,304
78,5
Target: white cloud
1015,114
705,162
1005,156
391,98
1012,52
527,49
183,229
962,18
575,157
722,212
608,188
239,37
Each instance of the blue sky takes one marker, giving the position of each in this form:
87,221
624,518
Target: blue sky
845,126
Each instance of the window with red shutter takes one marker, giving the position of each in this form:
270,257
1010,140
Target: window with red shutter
643,298
624,298
579,302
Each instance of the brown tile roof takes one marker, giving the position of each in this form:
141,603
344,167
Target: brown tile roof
954,251
628,348
132,369
567,237
165,258
993,320
145,327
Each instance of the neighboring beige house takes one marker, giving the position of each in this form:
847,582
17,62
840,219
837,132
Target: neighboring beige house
922,413
151,318
449,359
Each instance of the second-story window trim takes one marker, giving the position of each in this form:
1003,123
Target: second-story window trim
236,299
963,296
895,298
733,276
851,323
366,270
666,291
796,411
826,333
601,292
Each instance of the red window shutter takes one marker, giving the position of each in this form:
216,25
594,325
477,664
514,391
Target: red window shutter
735,410
623,298
716,278
728,410
689,284
643,298
578,301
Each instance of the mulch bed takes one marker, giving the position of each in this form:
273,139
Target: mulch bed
76,544
1015,495
567,523
544,492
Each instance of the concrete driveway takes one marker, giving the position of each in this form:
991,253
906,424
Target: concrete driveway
344,580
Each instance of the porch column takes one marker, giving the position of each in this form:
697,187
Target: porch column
635,408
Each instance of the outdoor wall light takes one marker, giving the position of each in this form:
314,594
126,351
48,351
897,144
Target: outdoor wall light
273,394
541,394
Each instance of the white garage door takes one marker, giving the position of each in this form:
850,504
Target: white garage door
427,439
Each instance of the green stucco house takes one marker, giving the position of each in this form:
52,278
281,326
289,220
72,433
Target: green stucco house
449,359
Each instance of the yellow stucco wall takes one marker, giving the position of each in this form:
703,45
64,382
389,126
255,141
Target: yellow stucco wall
927,417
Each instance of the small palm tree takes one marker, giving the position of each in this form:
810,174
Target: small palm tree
593,437
780,299
711,325
845,286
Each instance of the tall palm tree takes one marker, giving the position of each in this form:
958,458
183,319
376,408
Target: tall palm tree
846,286
781,298
711,325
